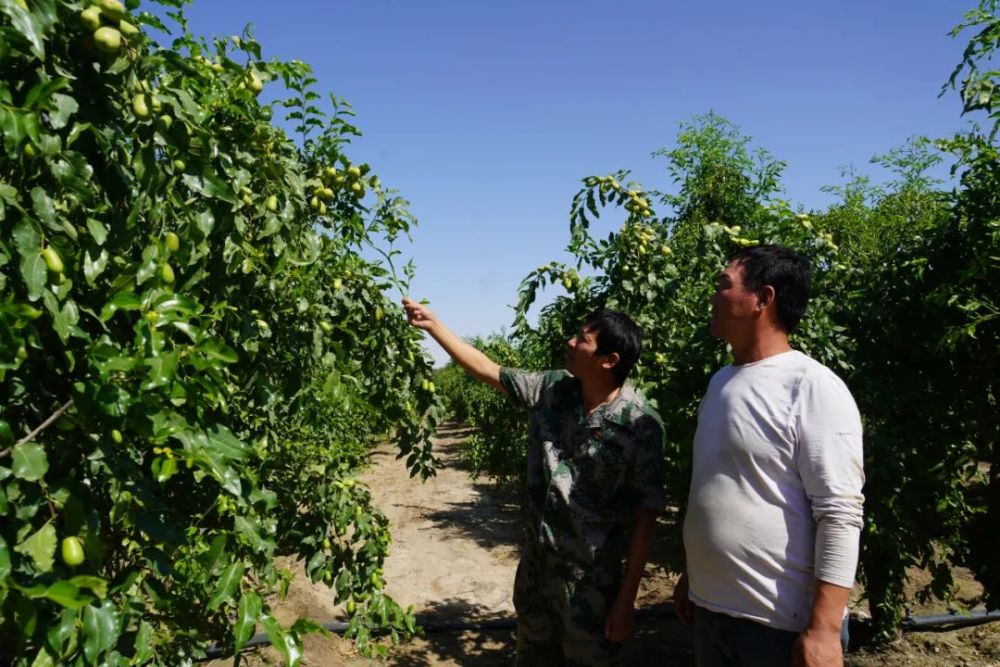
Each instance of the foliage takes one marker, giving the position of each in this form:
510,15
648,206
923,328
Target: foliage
935,488
498,447
718,177
665,289
904,308
919,308
194,354
452,382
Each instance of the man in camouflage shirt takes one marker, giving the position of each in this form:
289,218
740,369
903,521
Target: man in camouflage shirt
595,485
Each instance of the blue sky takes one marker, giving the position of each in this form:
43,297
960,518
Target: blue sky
486,115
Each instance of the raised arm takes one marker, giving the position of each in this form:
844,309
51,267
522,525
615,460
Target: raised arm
477,364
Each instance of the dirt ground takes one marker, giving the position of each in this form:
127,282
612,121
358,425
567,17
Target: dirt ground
454,553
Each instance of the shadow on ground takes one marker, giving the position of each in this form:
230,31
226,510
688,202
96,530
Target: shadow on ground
656,642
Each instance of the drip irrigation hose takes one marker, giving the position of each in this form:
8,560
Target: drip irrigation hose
950,621
932,623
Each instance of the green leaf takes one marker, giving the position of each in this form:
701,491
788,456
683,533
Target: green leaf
29,245
65,106
189,106
224,473
73,171
113,400
120,301
64,319
25,23
100,630
217,439
143,643
27,237
23,311
176,303
317,560
249,527
205,221
266,496
161,370
40,547
119,66
213,449
304,626
229,582
41,202
6,435
4,559
30,462
62,633
216,348
210,185
215,556
150,263
67,595
224,442
40,94
98,230
247,618
94,266
43,659
164,468
98,585
287,643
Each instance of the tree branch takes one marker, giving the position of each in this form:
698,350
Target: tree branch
41,427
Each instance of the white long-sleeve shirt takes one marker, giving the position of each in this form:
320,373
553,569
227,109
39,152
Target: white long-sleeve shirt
776,498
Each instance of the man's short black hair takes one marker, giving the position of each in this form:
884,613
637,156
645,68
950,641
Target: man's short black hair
616,332
787,271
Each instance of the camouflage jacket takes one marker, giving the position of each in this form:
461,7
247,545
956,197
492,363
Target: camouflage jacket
587,474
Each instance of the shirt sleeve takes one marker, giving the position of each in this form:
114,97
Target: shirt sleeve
649,471
524,387
830,461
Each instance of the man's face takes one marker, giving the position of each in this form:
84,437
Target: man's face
581,357
734,308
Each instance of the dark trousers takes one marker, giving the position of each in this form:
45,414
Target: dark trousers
561,611
725,641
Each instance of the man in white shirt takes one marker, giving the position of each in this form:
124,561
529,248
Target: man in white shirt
774,515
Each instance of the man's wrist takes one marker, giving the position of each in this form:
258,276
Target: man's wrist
624,599
824,625
828,608
628,593
822,631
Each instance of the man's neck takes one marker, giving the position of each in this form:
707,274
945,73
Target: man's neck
760,346
597,393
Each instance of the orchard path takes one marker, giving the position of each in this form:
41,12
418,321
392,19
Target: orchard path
453,557
454,552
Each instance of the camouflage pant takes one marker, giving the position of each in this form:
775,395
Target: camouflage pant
561,611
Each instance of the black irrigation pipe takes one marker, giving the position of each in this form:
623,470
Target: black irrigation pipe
432,627
933,623
950,621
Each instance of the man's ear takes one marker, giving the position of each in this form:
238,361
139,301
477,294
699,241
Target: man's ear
610,361
765,297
